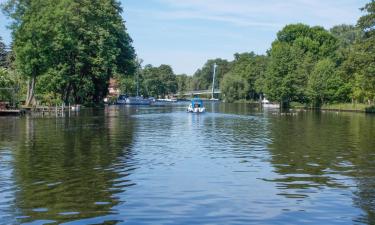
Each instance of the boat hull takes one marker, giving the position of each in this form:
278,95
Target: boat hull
134,101
196,110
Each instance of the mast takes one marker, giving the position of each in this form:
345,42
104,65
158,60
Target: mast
137,82
138,68
213,81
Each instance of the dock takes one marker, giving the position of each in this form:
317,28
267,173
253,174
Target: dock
11,112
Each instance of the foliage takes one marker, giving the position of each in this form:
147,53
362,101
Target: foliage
203,77
370,109
6,81
234,87
324,85
71,47
364,58
249,68
3,54
158,81
292,57
184,84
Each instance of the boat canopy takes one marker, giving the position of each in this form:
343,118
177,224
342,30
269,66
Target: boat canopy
197,101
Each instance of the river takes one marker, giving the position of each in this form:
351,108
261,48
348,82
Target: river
235,164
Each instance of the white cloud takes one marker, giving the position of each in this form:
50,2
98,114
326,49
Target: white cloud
266,13
185,33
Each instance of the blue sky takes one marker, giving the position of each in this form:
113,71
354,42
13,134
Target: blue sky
185,33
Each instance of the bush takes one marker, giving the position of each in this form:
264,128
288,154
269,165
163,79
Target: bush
370,109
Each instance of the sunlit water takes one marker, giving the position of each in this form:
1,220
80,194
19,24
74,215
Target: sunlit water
234,164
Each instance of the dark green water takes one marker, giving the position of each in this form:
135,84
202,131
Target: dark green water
232,165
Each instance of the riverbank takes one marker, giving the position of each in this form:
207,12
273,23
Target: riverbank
341,107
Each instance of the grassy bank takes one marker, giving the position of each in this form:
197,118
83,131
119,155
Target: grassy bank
348,107
246,101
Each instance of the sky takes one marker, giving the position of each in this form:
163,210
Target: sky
186,33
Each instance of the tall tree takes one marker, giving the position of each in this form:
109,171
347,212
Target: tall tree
292,57
364,59
159,81
71,47
234,87
203,76
3,54
324,85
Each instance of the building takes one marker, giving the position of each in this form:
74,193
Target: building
113,88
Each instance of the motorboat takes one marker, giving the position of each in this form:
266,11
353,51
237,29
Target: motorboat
121,100
268,104
138,100
75,108
196,106
167,100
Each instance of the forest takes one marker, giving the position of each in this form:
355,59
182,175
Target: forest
67,50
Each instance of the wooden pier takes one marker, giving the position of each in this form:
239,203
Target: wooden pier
57,111
12,112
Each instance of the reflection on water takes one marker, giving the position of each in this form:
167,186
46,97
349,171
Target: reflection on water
160,165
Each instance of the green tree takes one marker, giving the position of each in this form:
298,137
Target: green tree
158,81
292,57
251,67
347,35
3,54
184,84
234,87
324,85
364,58
70,48
203,76
8,86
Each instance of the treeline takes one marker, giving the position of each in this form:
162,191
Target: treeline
308,65
151,81
68,49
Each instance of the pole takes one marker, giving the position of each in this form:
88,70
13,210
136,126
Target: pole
137,82
213,81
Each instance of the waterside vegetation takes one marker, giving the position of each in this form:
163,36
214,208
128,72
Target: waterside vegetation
67,50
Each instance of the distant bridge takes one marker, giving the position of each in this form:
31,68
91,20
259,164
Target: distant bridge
201,92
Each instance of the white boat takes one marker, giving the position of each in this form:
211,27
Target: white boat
138,100
196,106
75,108
121,100
268,104
167,100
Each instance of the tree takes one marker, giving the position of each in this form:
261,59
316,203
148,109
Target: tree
347,35
184,84
8,85
203,76
3,54
324,85
234,87
250,67
292,56
69,47
364,58
159,81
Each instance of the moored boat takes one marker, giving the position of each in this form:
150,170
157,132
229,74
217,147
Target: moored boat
138,100
268,104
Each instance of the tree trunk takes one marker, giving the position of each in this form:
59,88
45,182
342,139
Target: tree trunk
30,98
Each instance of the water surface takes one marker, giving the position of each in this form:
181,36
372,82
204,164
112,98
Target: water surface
234,164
